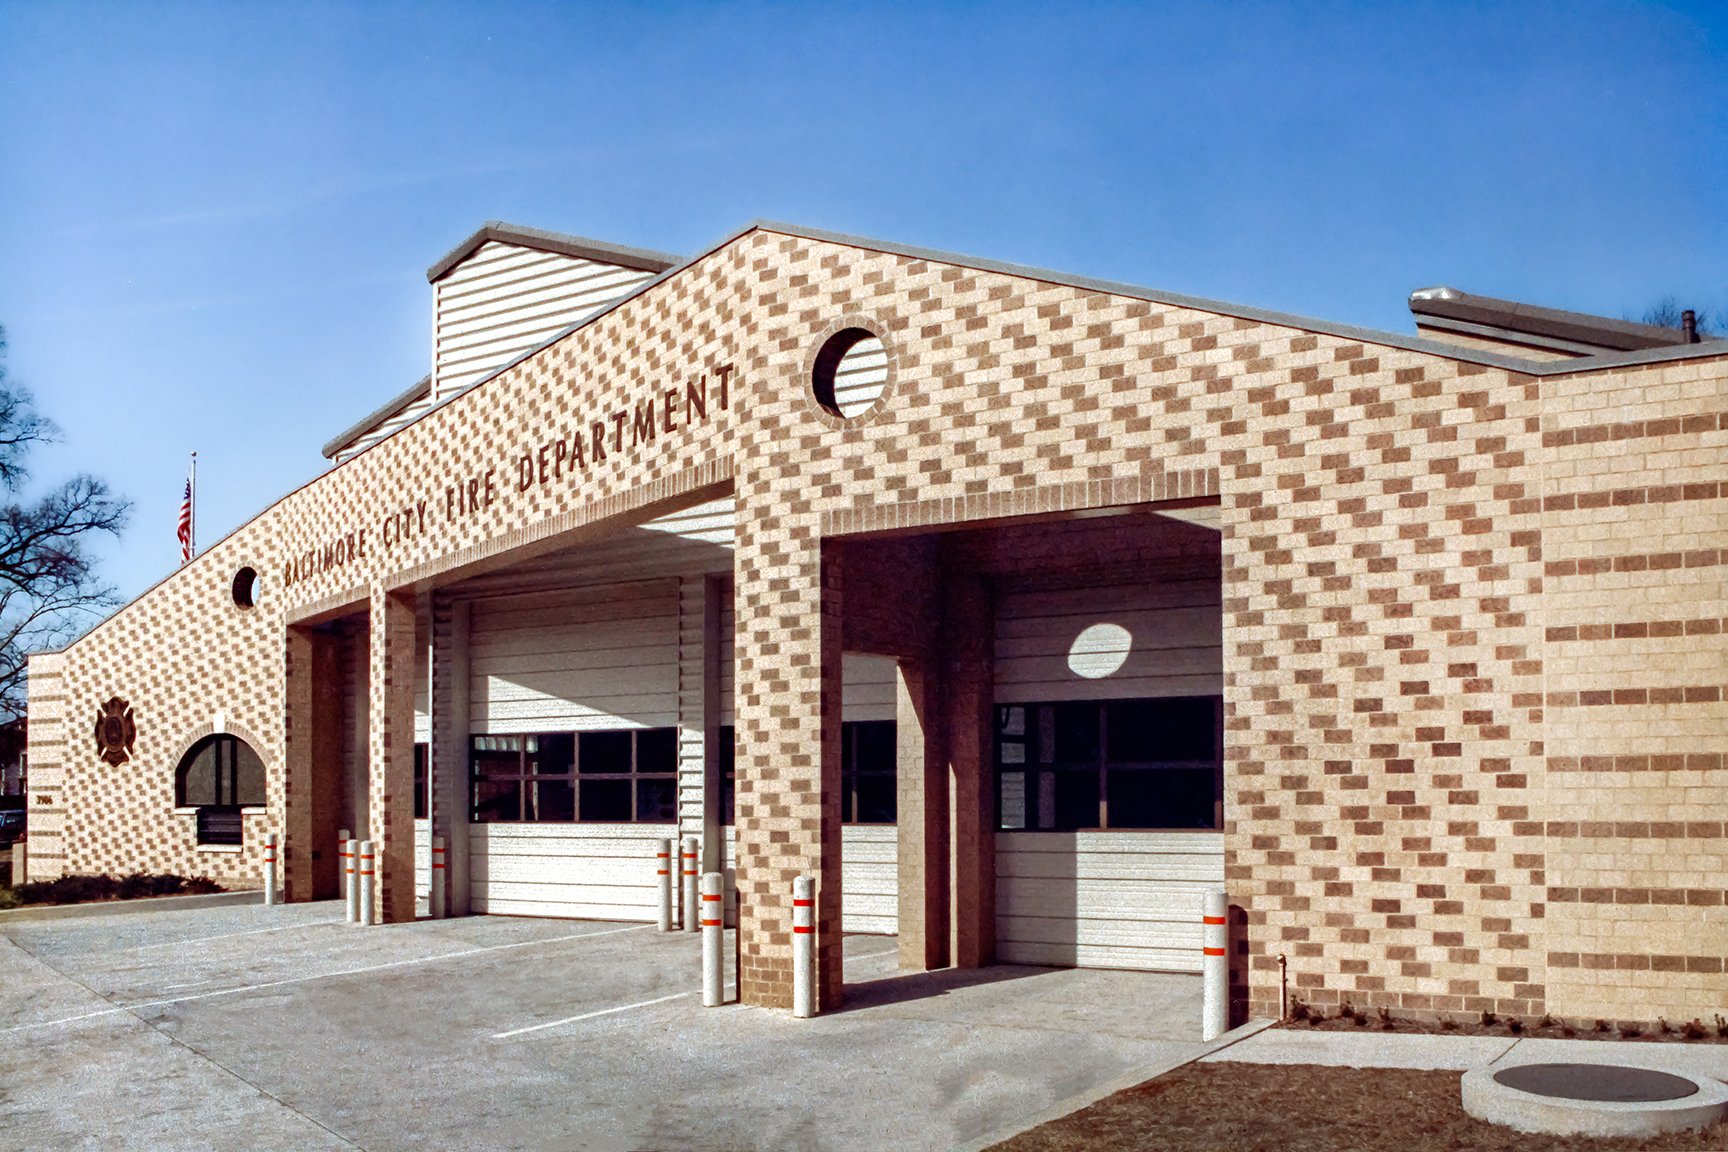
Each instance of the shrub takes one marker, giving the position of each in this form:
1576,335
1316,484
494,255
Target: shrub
1298,1009
1489,1019
1630,1031
77,889
1693,1029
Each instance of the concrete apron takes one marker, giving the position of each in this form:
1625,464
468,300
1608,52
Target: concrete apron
284,1027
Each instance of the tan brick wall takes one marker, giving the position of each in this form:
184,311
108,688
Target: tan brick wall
1397,747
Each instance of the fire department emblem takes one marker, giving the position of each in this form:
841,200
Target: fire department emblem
115,731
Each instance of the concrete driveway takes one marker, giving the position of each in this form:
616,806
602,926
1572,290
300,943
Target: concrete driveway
254,1027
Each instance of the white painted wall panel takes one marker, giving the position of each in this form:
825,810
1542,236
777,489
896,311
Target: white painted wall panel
581,871
860,376
422,867
505,300
866,687
582,660
869,878
1104,899
1174,645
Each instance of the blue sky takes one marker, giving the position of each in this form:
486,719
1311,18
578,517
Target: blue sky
215,219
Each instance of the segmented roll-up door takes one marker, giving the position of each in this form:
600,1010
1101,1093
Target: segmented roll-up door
584,660
583,871
1107,898
869,853
589,660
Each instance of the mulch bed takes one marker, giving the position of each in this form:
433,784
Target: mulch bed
1304,1108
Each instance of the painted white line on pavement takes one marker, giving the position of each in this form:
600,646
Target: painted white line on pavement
587,1016
321,976
224,936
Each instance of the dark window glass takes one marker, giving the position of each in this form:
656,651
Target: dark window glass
605,801
876,800
1162,798
728,775
559,777
219,772
604,752
657,800
551,799
1154,763
496,800
1076,733
1161,731
1077,795
657,750
868,762
420,799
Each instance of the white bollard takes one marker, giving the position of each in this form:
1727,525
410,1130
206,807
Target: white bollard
269,867
713,937
368,897
803,947
440,876
351,878
663,878
692,906
1214,965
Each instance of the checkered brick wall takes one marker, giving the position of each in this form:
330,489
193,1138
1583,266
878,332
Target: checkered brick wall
1411,817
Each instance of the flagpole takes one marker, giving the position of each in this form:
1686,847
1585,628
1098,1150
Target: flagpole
193,482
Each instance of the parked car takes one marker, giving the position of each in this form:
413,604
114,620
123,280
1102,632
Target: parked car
11,826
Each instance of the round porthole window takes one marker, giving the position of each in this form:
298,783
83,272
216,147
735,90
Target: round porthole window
850,373
246,587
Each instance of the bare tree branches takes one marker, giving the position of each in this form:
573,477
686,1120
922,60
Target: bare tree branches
49,591
1666,314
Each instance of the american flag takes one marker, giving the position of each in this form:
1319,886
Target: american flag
185,532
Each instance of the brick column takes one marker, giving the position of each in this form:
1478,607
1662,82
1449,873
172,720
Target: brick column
299,749
447,761
390,781
788,803
922,823
968,635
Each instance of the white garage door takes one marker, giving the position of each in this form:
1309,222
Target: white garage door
588,660
1118,897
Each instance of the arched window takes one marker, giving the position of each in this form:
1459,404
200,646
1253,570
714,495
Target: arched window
219,775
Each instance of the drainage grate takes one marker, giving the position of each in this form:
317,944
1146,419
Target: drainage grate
1600,1082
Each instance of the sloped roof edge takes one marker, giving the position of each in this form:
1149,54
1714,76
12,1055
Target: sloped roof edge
562,243
1533,319
378,415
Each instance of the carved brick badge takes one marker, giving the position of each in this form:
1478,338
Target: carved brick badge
115,731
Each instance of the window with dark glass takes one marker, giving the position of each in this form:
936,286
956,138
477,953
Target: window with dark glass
219,776
421,804
728,775
618,777
867,772
1153,763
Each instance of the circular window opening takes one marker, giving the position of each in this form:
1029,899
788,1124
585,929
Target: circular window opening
245,587
851,371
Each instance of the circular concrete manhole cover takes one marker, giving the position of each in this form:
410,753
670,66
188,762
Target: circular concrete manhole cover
1599,1082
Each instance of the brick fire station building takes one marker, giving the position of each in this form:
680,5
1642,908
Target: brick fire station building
1017,608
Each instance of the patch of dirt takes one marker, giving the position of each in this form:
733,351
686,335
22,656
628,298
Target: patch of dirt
1304,1108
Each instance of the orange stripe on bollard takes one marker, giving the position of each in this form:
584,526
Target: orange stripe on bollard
1212,919
803,903
801,929
1213,951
